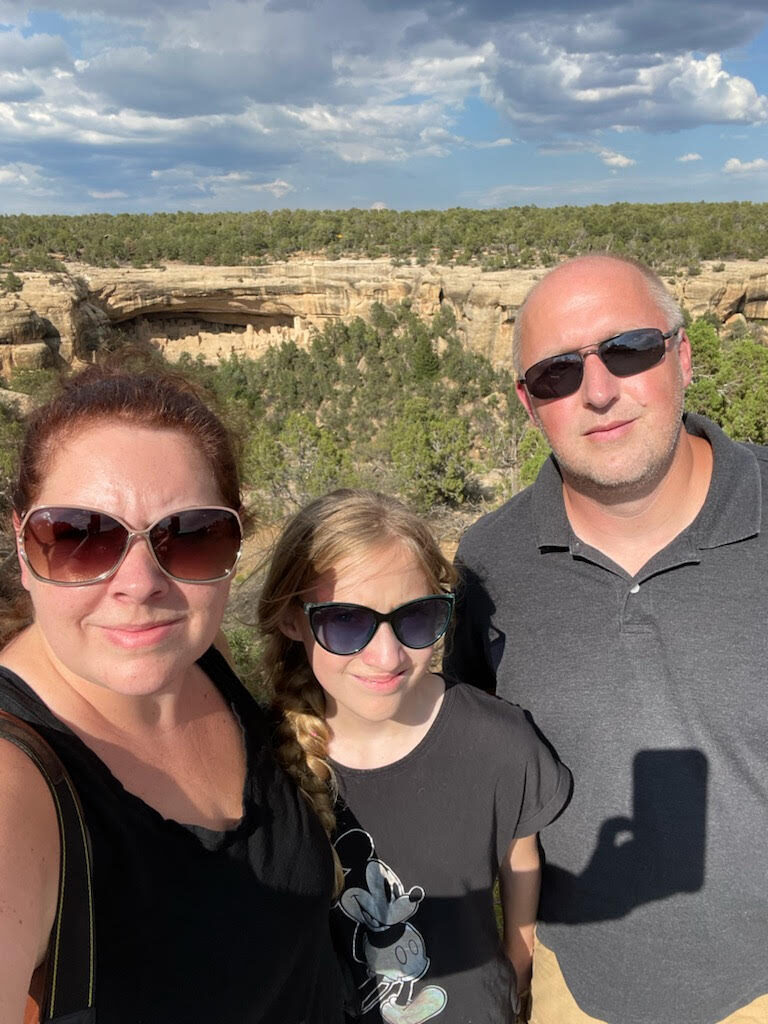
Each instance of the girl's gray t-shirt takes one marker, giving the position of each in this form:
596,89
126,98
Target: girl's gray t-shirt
420,842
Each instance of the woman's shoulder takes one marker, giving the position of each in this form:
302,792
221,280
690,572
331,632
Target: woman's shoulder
26,803
18,698
29,862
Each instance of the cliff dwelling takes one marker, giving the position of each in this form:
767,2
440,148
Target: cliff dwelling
206,333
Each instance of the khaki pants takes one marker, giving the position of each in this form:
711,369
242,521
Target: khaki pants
552,1003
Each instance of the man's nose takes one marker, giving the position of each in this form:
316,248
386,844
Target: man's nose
599,387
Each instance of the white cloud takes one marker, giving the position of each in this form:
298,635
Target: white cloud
612,159
374,133
736,166
450,71
706,92
203,181
26,188
258,99
41,51
608,156
496,144
686,158
544,89
13,174
278,188
379,205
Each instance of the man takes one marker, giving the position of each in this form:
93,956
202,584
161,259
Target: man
623,599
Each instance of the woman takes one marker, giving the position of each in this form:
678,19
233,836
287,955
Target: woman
212,878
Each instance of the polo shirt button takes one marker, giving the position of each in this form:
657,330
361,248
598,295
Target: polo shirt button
635,589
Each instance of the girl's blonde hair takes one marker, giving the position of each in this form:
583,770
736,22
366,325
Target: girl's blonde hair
343,526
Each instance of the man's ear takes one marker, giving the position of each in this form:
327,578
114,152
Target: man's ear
685,357
289,625
23,568
525,398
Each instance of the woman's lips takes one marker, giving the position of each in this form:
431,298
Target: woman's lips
140,635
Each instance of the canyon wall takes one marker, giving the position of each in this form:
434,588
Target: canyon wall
214,311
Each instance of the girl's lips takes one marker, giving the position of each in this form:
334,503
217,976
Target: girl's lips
381,684
132,637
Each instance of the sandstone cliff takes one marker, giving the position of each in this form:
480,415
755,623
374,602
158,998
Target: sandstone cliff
213,311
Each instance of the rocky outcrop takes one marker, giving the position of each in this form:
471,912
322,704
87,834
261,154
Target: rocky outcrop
49,320
210,311
742,287
214,311
24,337
18,402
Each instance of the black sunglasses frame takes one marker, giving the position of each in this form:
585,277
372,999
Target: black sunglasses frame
531,379
379,617
131,535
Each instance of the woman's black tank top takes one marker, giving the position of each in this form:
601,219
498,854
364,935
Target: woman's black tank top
195,926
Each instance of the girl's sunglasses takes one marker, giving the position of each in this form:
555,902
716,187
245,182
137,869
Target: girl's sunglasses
72,546
625,355
346,628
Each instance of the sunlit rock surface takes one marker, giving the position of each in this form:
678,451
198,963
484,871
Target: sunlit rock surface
214,311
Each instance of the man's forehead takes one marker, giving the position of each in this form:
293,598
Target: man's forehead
578,281
588,301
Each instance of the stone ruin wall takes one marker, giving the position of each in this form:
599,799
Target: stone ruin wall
214,311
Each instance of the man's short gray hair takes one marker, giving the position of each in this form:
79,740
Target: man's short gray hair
661,296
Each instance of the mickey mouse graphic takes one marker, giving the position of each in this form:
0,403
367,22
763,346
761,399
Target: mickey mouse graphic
391,949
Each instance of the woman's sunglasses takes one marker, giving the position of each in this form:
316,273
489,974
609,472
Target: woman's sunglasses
347,628
72,546
625,355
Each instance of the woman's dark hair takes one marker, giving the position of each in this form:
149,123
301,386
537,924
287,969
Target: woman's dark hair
144,399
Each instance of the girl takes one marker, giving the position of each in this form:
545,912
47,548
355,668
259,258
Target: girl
441,788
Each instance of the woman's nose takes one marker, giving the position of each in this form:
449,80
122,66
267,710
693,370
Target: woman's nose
139,576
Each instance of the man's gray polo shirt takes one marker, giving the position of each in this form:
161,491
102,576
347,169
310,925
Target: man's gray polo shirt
652,689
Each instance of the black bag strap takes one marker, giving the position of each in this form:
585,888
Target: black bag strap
71,954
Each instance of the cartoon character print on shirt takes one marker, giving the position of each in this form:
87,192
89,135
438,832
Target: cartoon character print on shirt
384,940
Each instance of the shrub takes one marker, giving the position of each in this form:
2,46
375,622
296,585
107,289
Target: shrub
11,282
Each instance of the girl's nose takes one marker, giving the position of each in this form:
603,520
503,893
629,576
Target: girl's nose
384,650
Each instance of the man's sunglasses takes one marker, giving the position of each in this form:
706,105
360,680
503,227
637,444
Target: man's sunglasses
72,546
624,355
343,628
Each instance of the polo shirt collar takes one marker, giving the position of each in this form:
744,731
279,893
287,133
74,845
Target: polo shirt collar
553,530
731,512
733,508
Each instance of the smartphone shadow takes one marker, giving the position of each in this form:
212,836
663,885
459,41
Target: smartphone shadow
656,853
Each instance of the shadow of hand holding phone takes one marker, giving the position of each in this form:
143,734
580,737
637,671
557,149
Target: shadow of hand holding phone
656,853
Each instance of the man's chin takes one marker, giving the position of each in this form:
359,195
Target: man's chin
617,484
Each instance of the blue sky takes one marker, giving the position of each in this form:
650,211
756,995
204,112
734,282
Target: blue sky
148,105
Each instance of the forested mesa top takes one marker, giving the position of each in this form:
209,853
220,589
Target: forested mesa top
666,235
